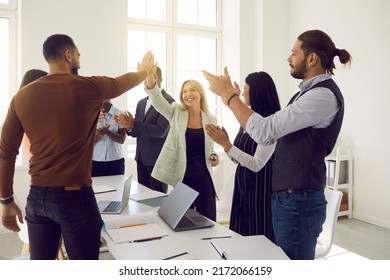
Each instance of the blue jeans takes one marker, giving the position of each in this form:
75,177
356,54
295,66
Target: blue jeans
52,212
297,221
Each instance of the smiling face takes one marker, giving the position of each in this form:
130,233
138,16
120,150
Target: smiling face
190,95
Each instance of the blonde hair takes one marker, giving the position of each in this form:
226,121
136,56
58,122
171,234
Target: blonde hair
203,100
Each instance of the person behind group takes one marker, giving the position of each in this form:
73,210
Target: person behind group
29,77
306,132
151,129
188,153
109,136
251,203
58,113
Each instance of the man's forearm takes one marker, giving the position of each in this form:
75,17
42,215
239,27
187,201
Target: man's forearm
240,111
130,80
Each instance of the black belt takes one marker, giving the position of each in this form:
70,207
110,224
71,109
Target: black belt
67,188
286,193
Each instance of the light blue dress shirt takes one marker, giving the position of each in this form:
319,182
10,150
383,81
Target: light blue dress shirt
316,108
106,149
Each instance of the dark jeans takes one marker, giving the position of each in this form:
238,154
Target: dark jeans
144,175
108,168
52,212
297,221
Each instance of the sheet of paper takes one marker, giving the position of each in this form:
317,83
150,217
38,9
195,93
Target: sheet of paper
146,195
140,218
134,228
137,233
256,247
102,189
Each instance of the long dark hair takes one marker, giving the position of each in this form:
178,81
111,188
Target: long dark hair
263,96
32,75
317,41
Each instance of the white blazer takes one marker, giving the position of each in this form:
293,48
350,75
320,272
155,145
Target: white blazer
171,164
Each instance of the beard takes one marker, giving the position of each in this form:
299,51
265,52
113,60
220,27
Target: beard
75,70
299,71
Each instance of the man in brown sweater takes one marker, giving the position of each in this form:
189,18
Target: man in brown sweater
58,113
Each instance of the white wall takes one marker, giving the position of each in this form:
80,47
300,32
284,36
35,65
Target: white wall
360,26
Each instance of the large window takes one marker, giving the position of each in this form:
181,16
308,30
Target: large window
4,62
8,84
185,37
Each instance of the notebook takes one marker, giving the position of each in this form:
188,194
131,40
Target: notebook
116,207
139,227
255,247
176,213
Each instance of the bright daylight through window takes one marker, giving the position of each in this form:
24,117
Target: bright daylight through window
184,36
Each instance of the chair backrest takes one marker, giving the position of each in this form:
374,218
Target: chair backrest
324,241
23,233
224,204
18,257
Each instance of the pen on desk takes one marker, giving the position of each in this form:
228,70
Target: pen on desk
132,225
215,237
176,256
147,239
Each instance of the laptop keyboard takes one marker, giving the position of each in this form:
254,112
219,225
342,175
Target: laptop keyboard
185,223
114,206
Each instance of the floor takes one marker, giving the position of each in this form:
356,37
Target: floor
353,239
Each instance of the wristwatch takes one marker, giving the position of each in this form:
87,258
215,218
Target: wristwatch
7,200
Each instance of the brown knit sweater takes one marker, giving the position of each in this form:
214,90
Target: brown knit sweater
58,113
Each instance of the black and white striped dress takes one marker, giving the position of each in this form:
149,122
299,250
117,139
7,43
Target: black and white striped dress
251,205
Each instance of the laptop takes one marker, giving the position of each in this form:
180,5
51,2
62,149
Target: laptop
116,207
176,212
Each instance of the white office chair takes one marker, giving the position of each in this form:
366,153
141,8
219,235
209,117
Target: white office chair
325,240
23,235
224,204
18,257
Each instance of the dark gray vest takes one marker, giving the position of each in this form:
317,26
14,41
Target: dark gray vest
299,161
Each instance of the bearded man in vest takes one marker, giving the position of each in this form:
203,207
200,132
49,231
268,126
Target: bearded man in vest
305,131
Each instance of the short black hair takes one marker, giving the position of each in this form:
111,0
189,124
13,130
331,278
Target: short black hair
55,45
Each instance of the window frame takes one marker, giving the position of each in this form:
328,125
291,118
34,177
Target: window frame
9,11
173,28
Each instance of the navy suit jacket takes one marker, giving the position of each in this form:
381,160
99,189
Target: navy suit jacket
151,130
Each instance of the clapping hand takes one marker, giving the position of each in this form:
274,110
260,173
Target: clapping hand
125,120
221,85
103,130
219,135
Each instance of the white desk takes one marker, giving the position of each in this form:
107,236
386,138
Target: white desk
173,244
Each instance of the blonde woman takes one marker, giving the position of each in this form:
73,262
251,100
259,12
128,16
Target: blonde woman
188,152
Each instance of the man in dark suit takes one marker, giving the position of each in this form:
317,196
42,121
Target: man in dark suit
151,129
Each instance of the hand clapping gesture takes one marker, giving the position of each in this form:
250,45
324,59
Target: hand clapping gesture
125,120
222,85
219,135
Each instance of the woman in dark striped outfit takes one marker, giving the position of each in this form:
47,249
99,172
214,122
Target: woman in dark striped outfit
251,205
